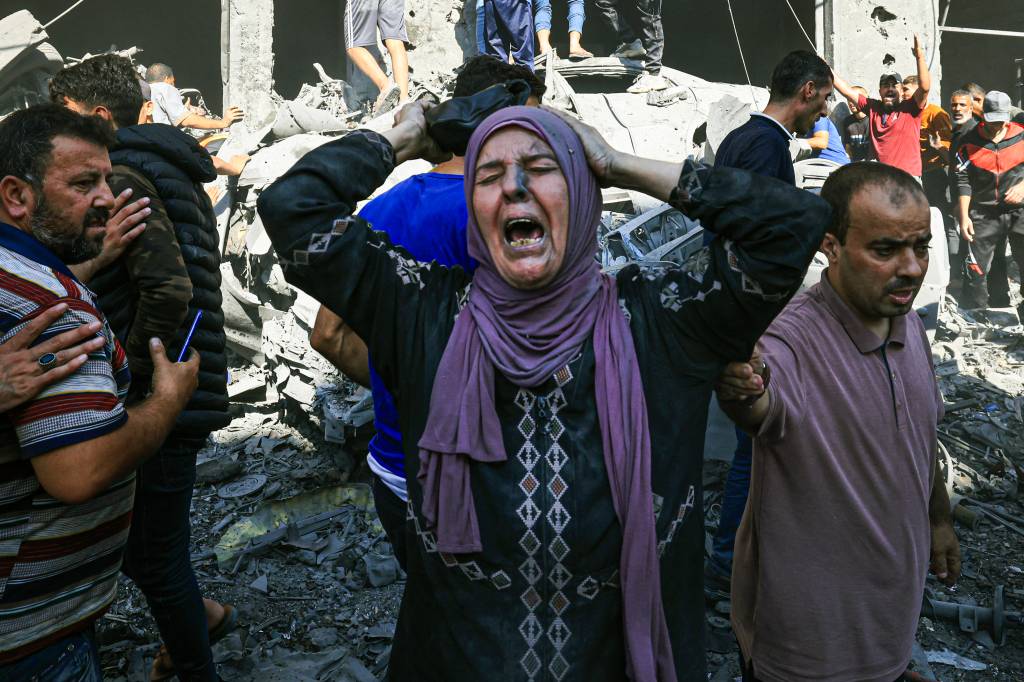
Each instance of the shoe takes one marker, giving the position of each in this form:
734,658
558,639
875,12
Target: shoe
581,54
633,50
647,82
387,100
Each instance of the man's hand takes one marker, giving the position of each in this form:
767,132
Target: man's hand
123,227
935,141
173,381
409,137
741,380
601,156
967,229
21,375
917,50
231,115
945,562
1015,195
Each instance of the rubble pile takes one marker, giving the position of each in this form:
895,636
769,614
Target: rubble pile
282,535
973,631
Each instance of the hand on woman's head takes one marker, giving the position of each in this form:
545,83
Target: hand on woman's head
412,118
601,156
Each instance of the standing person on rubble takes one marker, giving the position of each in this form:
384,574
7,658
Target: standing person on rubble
577,15
800,88
156,289
848,507
426,215
996,277
68,454
508,30
363,18
638,18
550,414
990,193
894,124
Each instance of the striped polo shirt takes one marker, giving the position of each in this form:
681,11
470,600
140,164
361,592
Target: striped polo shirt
58,562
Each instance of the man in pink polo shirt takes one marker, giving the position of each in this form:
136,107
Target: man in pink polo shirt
895,124
847,507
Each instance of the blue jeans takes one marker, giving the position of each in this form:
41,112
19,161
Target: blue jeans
158,561
734,501
72,659
508,30
481,44
542,15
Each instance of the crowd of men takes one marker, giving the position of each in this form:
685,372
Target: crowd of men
537,464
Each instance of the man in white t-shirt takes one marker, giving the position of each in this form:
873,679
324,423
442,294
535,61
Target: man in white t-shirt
170,108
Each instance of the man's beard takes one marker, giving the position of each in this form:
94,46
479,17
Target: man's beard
51,229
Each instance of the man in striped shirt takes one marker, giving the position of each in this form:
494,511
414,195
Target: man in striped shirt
67,456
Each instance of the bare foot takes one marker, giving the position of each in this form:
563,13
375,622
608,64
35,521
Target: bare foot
214,613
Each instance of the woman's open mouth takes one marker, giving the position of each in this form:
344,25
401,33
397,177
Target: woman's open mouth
523,233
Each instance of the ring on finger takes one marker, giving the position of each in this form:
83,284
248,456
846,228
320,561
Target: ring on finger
47,360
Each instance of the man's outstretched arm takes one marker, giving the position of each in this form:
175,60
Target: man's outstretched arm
924,76
845,89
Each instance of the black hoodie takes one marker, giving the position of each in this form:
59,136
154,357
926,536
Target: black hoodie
172,162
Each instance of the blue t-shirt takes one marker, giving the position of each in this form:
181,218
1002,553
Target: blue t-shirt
761,146
834,151
426,215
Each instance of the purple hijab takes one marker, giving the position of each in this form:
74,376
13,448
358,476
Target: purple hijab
528,336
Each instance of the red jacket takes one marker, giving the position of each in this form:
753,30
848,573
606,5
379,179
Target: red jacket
985,170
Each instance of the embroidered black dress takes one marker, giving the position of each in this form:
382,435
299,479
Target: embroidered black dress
541,602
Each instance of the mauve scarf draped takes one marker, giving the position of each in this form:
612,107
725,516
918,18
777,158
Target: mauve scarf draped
528,336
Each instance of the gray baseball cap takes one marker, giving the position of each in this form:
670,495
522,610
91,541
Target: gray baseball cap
894,78
996,107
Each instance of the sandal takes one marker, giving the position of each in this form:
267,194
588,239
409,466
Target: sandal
581,54
163,667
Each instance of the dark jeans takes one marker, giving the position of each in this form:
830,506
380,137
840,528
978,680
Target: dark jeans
72,659
991,229
631,18
391,510
998,280
734,501
508,27
157,558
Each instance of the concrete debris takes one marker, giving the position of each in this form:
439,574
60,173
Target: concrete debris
947,657
27,62
261,584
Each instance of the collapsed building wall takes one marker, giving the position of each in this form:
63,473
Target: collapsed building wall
866,38
247,59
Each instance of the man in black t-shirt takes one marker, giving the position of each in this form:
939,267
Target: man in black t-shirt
854,129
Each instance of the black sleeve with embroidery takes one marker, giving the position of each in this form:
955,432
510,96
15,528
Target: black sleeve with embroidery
714,308
391,300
